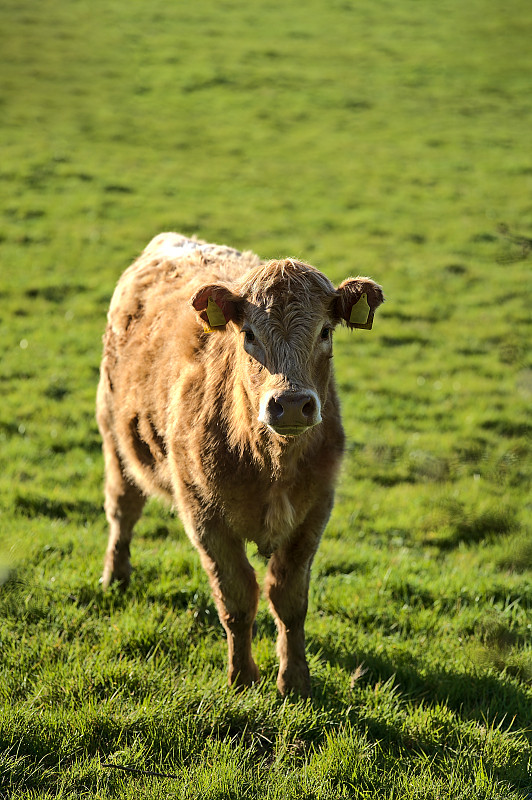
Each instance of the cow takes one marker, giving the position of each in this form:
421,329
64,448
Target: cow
217,394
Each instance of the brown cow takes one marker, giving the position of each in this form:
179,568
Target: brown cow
217,393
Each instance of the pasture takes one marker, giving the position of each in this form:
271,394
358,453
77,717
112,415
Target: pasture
389,139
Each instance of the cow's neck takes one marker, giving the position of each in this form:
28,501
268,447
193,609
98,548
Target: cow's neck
285,454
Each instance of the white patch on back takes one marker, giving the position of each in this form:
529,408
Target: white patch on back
181,247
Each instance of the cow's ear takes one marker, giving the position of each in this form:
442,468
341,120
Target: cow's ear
356,302
215,305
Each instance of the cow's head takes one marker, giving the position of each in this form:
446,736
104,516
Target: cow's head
285,312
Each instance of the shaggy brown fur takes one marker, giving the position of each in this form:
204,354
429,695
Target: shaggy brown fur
237,425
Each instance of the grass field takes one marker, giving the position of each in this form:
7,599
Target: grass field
382,138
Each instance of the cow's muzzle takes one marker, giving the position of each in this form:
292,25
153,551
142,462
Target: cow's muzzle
290,413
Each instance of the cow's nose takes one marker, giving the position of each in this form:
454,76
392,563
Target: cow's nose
292,410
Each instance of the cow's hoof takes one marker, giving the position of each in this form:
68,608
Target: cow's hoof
244,678
111,575
294,681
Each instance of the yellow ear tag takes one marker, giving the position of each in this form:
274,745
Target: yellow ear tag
360,311
215,314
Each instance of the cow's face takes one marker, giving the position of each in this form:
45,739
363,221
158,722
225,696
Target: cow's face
284,314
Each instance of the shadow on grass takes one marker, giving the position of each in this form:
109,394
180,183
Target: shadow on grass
56,293
483,697
143,590
486,525
34,505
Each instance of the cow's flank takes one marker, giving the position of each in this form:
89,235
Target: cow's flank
217,393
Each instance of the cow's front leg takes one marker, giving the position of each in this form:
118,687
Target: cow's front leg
287,589
287,584
236,594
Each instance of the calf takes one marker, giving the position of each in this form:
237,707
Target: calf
217,393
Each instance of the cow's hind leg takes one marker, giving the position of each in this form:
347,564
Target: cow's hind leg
236,594
123,506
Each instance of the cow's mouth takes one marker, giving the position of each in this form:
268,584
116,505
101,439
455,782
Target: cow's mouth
290,430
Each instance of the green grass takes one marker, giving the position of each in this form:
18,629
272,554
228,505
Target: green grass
382,138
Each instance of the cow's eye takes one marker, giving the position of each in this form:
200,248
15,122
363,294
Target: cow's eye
250,336
326,332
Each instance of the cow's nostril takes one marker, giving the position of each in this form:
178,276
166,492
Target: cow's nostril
275,410
309,407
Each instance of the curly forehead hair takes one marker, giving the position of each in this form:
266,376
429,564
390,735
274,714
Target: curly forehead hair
285,277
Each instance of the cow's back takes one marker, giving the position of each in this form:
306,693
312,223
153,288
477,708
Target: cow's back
160,283
152,338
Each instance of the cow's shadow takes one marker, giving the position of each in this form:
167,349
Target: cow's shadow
467,695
